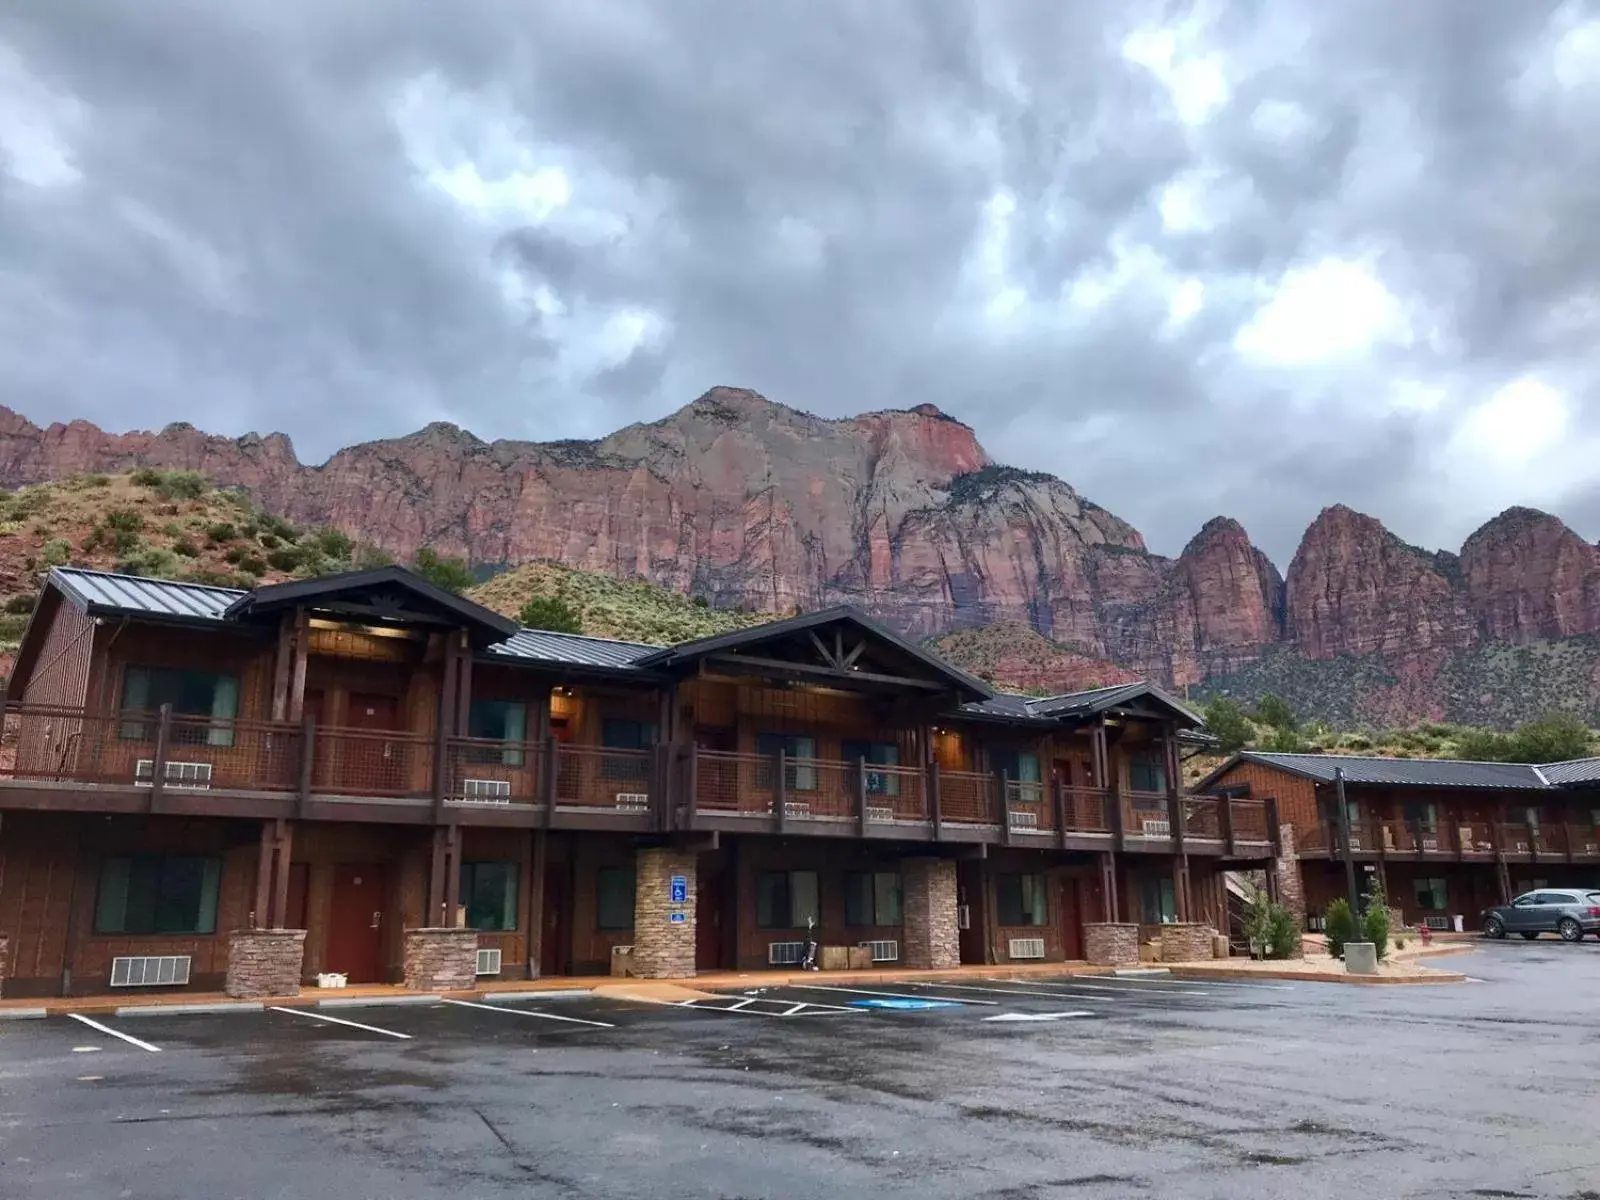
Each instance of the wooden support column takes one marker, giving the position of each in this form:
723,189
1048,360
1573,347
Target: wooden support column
551,781
283,849
860,774
536,885
436,876
1005,808
463,704
780,785
1058,786
933,800
1225,817
1108,886
308,759
297,674
282,668
158,767
261,912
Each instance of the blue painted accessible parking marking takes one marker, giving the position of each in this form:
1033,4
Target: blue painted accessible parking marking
898,1003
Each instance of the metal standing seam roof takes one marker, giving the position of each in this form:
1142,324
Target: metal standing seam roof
102,591
568,649
1573,773
1404,772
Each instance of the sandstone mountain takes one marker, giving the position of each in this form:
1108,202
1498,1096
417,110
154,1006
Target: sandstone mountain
747,504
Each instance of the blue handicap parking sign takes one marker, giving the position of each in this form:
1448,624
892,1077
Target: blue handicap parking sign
680,889
678,918
895,1002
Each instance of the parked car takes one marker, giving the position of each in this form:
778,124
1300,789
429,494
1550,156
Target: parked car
1571,912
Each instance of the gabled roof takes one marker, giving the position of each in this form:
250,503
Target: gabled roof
1578,772
1069,705
101,593
1393,772
775,631
571,649
377,581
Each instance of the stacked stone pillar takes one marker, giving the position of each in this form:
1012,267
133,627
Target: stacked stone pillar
663,923
441,960
931,939
1111,944
5,961
264,962
1291,888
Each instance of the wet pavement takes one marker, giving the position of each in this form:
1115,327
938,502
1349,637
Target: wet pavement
1005,1090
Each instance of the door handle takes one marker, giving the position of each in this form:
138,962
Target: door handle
377,919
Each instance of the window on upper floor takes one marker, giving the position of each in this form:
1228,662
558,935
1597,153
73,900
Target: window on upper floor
879,754
503,721
1147,773
620,733
797,777
191,693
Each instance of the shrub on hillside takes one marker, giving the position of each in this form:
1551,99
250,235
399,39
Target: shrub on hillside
186,548
1552,738
1284,741
1225,721
334,543
124,520
1339,926
56,552
146,477
286,558
21,604
181,485
451,574
552,613
1275,711
221,532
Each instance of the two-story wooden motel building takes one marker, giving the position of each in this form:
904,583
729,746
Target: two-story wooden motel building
365,775
1447,838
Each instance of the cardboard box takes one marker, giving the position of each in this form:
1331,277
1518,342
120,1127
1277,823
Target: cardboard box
860,958
835,958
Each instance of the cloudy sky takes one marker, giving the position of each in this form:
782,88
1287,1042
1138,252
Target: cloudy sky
1251,257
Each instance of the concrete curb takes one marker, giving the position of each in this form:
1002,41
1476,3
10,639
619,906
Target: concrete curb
23,1014
377,1001
161,1010
1204,973
523,997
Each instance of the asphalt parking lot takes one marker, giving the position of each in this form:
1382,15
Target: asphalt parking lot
1009,1090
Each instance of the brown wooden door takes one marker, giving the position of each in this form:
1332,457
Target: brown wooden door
969,897
355,923
556,937
373,764
1071,910
710,902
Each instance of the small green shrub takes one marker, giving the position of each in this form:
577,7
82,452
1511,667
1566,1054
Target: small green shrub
186,548
181,485
334,543
1399,943
1339,926
451,574
235,555
1270,928
124,520
286,558
1225,720
215,578
221,533
552,613
172,529
1356,741
56,552
251,564
21,604
1275,711
1375,925
150,561
94,539
270,541
96,481
11,628
147,477
125,541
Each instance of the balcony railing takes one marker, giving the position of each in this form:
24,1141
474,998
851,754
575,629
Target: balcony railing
661,788
1474,836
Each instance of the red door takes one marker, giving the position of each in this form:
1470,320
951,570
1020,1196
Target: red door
556,936
374,764
709,905
355,923
969,899
1072,918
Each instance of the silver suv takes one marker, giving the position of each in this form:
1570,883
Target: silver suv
1571,912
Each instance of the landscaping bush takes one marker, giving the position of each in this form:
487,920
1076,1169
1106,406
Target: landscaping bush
1270,928
1375,925
1339,925
552,613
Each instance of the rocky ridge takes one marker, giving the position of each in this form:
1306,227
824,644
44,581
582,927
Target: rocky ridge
750,504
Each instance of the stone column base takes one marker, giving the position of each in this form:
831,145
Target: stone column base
1111,945
441,960
663,929
264,962
5,961
1186,942
931,937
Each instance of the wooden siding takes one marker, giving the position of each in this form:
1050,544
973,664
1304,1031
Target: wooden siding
1296,796
61,671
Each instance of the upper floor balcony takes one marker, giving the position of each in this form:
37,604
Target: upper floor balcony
167,762
1505,832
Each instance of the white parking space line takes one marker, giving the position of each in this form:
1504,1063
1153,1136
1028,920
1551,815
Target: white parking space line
313,1016
1035,1017
1122,984
1100,987
528,1012
129,1038
991,990
750,1007
850,991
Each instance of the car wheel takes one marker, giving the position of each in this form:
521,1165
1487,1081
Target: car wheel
1494,927
1530,936
1569,930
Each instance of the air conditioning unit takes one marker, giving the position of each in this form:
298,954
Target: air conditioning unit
1022,819
785,954
1441,923
887,951
1522,847
878,815
194,775
486,791
1156,827
150,970
797,808
1026,948
633,802
1430,844
488,962
963,916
